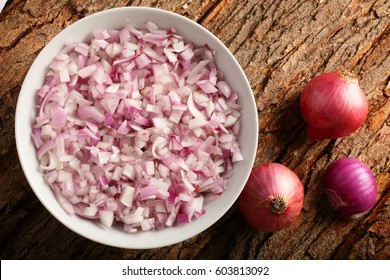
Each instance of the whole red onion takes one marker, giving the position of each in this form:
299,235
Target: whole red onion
333,105
351,187
272,198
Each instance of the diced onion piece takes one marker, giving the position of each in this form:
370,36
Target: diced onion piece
127,196
106,217
87,71
90,112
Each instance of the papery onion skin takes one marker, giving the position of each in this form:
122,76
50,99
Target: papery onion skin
351,187
269,183
333,105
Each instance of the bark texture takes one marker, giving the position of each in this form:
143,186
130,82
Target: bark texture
281,45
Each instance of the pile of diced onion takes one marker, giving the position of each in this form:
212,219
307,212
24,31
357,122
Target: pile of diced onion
136,128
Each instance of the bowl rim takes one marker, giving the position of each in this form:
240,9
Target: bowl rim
37,189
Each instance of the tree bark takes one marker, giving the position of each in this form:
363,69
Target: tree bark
281,45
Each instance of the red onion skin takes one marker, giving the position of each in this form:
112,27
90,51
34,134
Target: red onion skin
267,181
333,105
351,187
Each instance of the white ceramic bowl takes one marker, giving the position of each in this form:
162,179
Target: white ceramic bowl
116,19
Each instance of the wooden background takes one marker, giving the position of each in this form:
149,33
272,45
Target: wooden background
281,44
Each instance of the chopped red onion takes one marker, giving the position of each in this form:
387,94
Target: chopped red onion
136,128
